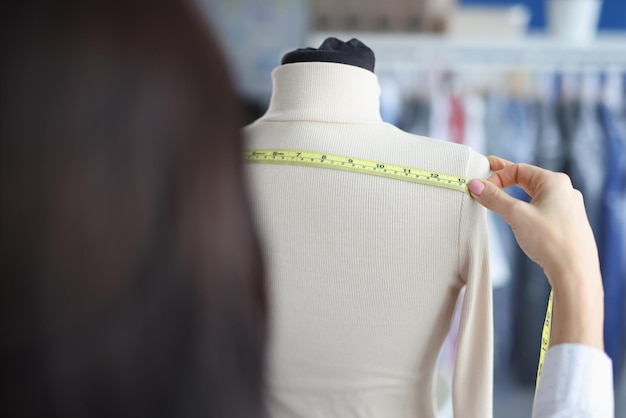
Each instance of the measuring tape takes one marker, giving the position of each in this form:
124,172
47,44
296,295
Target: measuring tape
545,338
381,169
357,165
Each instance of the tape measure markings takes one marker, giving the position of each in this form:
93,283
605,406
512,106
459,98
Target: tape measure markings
359,165
545,338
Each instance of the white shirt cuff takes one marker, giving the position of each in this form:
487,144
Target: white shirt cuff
576,382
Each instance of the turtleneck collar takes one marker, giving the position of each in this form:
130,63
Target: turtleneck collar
324,92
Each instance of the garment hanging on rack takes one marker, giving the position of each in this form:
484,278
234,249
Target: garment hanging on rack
611,241
457,119
415,114
551,151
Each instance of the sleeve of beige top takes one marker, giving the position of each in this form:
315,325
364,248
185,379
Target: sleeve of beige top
472,386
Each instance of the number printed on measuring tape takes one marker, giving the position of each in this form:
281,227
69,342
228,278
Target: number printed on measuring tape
357,165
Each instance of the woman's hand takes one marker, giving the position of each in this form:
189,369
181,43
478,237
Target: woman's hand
553,230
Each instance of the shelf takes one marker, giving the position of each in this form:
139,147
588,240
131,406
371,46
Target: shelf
608,51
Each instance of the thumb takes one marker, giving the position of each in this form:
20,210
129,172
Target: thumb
492,197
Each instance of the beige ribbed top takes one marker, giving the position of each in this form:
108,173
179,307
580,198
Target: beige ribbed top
364,271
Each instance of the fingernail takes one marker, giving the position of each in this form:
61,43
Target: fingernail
476,187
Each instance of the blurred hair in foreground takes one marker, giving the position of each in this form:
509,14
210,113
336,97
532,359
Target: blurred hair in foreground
131,276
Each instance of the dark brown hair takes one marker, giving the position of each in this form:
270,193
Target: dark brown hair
131,275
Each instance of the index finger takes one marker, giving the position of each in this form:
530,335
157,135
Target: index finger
529,177
497,163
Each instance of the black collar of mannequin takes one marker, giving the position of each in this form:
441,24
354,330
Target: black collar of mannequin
353,52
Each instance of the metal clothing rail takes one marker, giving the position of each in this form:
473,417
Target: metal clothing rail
608,51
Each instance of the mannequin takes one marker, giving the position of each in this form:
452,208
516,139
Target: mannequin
364,272
353,52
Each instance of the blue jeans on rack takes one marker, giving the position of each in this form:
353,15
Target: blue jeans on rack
611,240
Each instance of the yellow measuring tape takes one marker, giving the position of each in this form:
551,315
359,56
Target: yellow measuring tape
545,338
358,165
381,169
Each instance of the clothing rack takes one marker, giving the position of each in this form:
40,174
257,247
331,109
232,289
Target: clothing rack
534,52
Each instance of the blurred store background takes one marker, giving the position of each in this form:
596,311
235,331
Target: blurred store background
538,81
